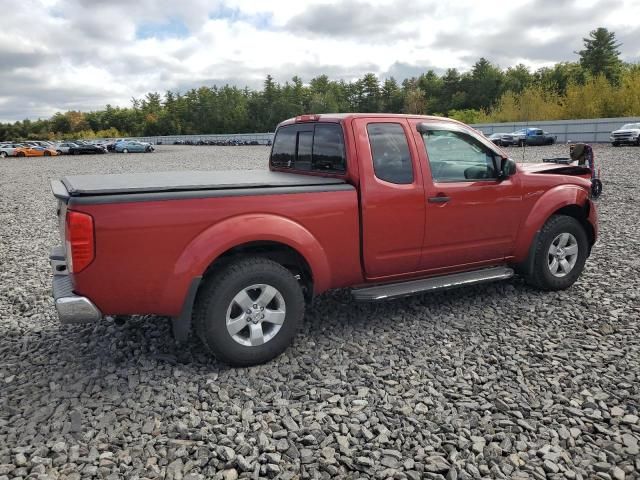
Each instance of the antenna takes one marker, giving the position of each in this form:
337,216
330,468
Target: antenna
526,130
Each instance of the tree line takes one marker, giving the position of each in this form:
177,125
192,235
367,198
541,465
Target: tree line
598,84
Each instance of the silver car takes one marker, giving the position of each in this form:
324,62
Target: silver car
64,147
9,149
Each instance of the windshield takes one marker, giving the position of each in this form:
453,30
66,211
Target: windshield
631,126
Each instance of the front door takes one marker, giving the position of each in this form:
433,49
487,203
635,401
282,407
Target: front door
472,217
392,197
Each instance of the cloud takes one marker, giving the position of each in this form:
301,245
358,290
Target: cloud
359,19
540,31
82,54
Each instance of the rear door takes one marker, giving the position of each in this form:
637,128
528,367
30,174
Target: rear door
392,196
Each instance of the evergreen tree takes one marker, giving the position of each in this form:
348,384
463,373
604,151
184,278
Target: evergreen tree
600,55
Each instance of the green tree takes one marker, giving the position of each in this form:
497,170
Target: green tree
600,55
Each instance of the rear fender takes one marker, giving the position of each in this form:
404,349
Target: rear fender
549,203
204,249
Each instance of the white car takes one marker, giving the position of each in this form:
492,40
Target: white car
8,149
629,134
64,147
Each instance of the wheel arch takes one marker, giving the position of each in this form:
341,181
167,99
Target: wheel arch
269,235
281,253
571,200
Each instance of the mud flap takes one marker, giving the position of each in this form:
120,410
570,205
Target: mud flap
181,325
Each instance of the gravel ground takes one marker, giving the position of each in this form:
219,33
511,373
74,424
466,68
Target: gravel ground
496,381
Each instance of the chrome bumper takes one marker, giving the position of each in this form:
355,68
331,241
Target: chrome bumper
71,308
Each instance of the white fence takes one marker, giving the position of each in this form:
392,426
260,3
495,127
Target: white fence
261,138
590,130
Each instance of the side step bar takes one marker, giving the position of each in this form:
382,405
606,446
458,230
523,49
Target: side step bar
405,289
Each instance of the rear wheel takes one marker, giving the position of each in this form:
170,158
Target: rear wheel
249,312
560,254
3,154
124,150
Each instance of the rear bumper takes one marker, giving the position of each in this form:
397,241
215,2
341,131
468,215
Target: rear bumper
71,308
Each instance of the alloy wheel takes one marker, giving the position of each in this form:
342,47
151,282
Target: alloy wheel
255,315
563,254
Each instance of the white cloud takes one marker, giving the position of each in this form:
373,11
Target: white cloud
81,54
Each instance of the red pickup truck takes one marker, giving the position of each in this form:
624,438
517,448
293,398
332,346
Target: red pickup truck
386,205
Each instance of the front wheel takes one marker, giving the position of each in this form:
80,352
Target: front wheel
560,253
125,150
3,154
249,312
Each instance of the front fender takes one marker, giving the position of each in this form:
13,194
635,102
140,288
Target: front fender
549,202
235,231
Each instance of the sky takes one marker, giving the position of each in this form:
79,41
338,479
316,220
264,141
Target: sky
58,55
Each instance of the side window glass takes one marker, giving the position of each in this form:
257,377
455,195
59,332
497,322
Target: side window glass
457,157
390,151
328,148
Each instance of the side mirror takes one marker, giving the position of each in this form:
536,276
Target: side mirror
507,168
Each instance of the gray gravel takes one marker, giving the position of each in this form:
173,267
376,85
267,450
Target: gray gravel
497,381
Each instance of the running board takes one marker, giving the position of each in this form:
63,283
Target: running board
405,289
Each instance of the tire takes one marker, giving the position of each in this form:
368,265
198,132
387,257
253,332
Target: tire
216,307
59,152
562,231
615,144
124,150
638,141
3,154
20,154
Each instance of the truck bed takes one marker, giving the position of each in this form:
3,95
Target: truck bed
180,181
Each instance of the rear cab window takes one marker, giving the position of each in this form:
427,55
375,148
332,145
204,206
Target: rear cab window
313,147
390,153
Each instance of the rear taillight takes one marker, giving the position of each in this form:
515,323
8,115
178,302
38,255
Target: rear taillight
80,241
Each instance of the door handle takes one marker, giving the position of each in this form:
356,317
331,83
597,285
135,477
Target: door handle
439,199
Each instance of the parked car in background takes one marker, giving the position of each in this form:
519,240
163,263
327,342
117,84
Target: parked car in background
130,146
64,147
532,136
31,151
9,149
501,139
629,134
85,148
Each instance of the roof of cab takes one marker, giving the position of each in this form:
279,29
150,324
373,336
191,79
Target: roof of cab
340,117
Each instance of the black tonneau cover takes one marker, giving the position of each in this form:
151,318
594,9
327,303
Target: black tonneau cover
180,181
